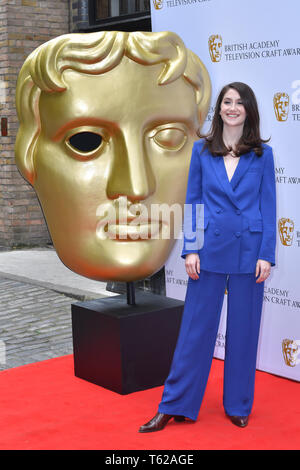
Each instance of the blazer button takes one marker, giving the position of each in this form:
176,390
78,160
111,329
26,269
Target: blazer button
218,210
237,234
238,212
217,232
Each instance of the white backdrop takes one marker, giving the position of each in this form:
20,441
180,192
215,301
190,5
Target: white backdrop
258,43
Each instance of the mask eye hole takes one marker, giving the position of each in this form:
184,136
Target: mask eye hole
85,142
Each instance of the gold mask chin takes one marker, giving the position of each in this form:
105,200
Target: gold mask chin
107,124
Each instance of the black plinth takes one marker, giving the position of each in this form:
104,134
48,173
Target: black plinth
125,348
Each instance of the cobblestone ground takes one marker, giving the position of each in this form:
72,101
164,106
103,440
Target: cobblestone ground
35,324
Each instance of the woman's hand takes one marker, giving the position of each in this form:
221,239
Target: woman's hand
192,265
263,269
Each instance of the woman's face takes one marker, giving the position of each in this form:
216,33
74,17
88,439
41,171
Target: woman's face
232,110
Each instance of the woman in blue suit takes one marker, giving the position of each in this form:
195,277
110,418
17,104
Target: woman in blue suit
232,176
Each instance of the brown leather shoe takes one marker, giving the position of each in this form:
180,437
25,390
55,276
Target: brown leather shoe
159,421
240,421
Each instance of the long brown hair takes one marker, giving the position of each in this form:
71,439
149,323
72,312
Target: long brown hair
250,139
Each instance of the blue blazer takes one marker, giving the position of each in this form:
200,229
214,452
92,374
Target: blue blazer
239,220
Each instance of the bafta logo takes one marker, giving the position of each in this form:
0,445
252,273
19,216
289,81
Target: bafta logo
281,106
158,4
286,230
291,351
215,47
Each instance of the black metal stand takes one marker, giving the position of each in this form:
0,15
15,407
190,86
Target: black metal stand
130,293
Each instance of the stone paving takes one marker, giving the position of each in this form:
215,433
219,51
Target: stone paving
35,323
36,294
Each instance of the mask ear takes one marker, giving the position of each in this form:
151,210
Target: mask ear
27,98
202,84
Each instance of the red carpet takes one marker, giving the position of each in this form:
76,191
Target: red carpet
45,407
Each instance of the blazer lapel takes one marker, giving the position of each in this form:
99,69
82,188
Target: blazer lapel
220,170
242,167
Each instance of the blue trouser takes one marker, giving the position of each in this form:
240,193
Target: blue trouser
186,383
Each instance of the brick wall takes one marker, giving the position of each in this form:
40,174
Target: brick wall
24,25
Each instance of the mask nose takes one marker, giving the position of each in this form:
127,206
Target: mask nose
131,173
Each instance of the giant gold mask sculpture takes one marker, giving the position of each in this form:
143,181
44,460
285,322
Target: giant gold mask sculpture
107,123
